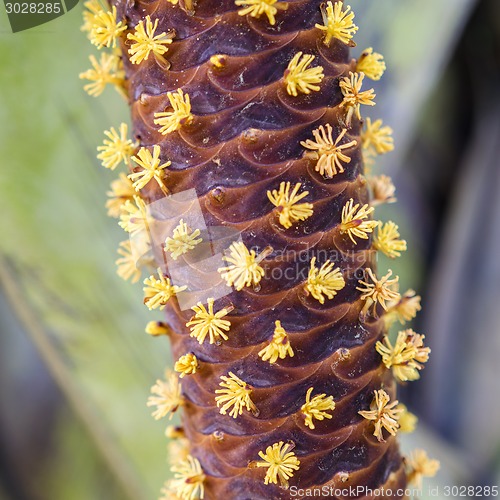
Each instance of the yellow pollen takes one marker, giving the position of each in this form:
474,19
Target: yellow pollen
207,322
338,23
324,281
235,394
299,78
170,121
255,8
289,208
145,41
279,347
328,152
385,415
317,407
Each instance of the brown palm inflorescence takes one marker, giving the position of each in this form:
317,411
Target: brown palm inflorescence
287,379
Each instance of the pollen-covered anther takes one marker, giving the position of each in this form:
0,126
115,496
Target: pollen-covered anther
170,121
157,292
188,481
207,322
157,328
407,420
280,461
235,394
116,148
404,309
107,71
92,8
144,41
279,347
244,269
354,221
105,29
255,8
377,291
150,169
383,190
187,365
134,217
288,206
354,96
127,267
298,77
376,137
337,23
385,415
371,63
418,466
406,356
166,396
328,153
317,407
387,240
183,240
327,280
122,190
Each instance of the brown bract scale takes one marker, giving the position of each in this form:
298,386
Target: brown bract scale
242,141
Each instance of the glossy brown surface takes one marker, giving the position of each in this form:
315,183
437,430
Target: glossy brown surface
244,140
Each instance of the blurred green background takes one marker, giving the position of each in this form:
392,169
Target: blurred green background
75,364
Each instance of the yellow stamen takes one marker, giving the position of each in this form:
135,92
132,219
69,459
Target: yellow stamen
145,41
116,148
105,29
353,96
338,23
183,240
407,420
207,322
354,221
379,291
236,394
167,397
324,281
108,70
151,169
171,121
279,347
255,8
387,240
377,138
121,191
418,466
127,265
328,153
404,309
157,292
188,480
134,217
244,269
187,365
317,407
157,328
299,78
383,190
371,64
280,461
406,356
289,208
385,415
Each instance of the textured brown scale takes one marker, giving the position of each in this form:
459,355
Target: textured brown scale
244,140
